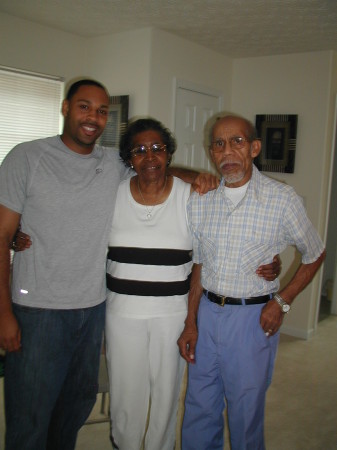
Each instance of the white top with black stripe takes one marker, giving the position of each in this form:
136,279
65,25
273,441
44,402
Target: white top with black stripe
149,260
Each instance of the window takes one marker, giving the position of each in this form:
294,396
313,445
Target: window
30,107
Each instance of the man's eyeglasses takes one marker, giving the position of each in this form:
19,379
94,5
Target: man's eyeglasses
235,143
141,150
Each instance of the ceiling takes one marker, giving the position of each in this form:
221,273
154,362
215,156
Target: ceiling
235,28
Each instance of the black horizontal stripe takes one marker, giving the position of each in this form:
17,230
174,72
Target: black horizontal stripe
150,256
147,288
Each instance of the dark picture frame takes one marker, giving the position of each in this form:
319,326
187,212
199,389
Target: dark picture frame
117,121
278,135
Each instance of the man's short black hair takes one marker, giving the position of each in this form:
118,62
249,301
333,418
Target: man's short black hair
86,82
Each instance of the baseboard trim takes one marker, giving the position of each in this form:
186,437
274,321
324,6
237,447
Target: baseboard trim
298,333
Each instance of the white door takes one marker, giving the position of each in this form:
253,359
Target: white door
194,106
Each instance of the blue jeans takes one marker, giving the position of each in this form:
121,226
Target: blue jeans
51,384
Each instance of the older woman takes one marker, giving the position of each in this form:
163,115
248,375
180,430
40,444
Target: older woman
149,264
148,271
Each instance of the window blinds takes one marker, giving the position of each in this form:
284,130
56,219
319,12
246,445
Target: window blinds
30,107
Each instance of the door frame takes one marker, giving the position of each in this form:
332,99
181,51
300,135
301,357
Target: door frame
333,309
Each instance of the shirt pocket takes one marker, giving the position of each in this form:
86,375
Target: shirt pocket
256,250
208,249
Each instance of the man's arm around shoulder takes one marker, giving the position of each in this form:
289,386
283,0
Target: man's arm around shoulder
201,182
10,334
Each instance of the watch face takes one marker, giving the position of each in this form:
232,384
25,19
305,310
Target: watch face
285,308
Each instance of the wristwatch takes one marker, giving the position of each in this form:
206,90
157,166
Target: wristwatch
285,307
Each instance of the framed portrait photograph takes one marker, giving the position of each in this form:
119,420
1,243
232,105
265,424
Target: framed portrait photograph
117,121
278,137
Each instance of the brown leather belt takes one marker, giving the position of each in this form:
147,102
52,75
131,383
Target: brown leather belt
222,300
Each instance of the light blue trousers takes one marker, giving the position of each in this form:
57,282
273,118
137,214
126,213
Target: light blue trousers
234,365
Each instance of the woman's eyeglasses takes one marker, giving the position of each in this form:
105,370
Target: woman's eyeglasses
141,150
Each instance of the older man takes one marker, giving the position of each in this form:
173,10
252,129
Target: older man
235,229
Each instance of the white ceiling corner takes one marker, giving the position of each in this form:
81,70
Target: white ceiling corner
235,28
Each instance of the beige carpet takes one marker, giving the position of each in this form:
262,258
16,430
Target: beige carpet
301,410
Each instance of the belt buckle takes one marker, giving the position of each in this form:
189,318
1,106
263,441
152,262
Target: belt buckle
222,299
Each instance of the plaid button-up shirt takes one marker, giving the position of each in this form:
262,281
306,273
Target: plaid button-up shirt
231,242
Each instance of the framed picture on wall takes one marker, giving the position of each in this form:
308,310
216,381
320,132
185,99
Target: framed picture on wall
278,135
117,121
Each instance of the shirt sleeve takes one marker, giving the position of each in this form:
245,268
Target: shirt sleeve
125,172
193,212
299,230
14,172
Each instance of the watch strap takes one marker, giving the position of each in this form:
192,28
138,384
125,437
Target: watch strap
281,302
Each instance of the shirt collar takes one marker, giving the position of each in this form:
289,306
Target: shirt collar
254,188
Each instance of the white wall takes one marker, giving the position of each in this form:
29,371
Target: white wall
294,84
173,57
143,64
122,62
26,45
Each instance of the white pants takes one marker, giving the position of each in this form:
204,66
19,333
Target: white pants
144,366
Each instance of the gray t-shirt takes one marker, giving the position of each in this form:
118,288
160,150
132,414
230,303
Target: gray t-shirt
66,201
